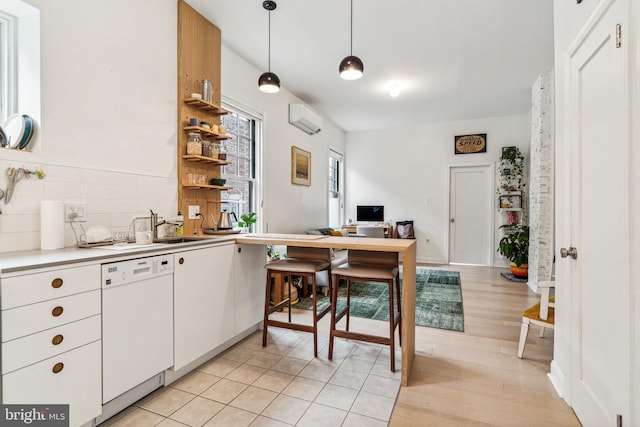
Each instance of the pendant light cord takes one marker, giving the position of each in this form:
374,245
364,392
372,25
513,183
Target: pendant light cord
351,27
269,38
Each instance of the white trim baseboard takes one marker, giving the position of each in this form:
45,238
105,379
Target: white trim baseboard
557,379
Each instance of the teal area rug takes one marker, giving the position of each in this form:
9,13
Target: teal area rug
438,300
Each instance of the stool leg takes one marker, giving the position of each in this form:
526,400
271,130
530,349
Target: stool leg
288,285
392,329
267,298
334,303
348,301
315,316
399,305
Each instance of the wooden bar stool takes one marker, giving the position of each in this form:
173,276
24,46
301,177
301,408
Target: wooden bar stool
367,266
304,262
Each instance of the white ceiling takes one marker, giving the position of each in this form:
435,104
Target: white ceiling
454,59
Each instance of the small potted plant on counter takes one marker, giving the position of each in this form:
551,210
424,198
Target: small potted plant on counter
515,246
246,221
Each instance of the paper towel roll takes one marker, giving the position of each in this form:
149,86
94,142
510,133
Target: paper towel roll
51,224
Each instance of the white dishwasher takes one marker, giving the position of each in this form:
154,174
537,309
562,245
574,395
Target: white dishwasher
137,322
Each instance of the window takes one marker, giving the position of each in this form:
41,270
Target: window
8,64
19,60
336,199
241,173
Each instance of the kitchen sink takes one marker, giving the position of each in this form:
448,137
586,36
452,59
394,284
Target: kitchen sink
177,239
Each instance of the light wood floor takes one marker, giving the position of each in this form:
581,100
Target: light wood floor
475,377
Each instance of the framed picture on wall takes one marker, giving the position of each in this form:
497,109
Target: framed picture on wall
300,166
470,144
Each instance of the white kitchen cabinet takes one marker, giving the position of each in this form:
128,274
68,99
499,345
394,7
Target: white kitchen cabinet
250,278
42,345
204,302
72,378
30,288
20,321
51,340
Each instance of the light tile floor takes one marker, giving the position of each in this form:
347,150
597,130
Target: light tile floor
278,385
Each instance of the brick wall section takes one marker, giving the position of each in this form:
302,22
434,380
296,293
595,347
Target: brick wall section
541,181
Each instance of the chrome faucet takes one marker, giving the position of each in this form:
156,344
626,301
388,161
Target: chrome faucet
155,224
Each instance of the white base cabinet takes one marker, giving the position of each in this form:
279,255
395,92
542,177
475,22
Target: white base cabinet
51,340
76,384
204,302
250,279
51,323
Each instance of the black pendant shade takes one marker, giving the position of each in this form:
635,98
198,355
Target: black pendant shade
351,68
269,82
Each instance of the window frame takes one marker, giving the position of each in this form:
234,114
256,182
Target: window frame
255,181
334,193
8,65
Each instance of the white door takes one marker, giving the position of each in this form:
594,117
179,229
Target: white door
600,295
470,208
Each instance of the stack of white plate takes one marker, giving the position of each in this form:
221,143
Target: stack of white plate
18,131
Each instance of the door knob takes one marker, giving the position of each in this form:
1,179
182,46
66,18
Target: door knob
572,252
452,220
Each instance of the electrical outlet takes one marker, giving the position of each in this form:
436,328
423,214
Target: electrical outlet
75,211
194,210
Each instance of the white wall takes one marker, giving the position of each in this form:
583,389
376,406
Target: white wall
288,208
108,133
407,169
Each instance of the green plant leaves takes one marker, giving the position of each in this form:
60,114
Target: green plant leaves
515,244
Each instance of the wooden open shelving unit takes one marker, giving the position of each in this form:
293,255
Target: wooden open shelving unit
199,58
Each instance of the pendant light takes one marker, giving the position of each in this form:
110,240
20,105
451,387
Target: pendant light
269,82
351,67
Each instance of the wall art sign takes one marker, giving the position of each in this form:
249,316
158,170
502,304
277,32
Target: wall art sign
469,144
300,166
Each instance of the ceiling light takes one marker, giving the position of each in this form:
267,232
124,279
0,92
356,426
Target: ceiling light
269,82
351,67
394,90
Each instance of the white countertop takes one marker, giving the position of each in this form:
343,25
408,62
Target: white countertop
12,262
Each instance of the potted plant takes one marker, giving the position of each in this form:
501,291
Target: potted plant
515,246
272,254
247,220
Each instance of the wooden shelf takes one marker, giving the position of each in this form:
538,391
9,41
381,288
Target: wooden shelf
511,193
206,106
206,131
205,187
196,158
510,209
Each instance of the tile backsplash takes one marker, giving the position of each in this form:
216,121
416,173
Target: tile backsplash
113,200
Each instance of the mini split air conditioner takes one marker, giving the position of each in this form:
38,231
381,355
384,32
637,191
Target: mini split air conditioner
302,117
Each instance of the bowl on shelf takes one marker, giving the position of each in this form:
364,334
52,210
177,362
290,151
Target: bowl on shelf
218,181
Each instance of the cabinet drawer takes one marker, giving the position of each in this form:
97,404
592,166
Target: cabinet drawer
78,383
31,288
33,348
33,318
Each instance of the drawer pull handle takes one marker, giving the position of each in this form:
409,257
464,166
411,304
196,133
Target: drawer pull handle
57,367
56,283
57,311
181,261
57,339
